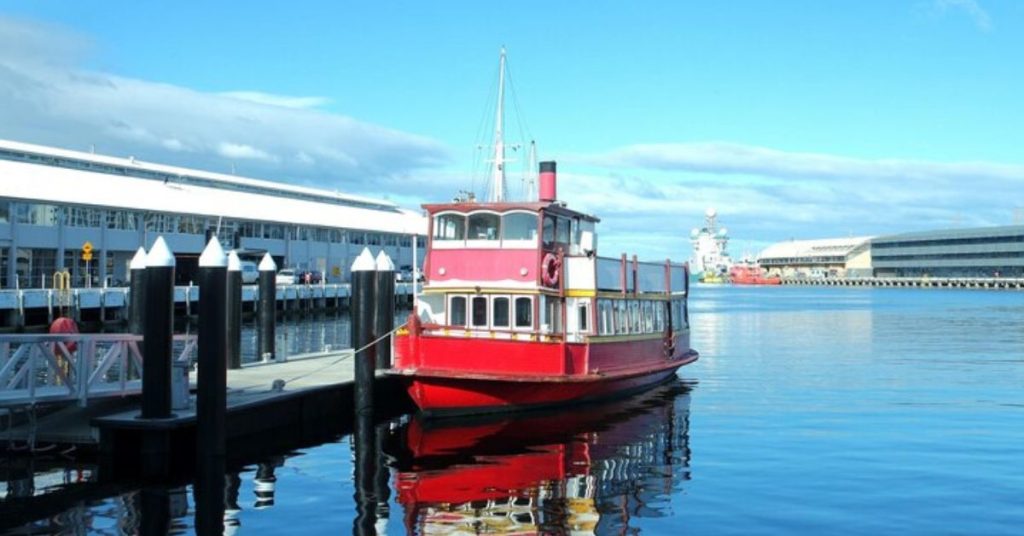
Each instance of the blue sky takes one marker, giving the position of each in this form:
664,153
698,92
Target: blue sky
797,119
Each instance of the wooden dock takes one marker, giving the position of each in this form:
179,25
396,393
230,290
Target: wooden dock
261,396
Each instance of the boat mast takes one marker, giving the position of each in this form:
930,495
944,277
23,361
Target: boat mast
530,175
498,175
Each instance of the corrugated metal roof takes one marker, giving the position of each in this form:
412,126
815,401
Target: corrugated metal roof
974,232
139,165
52,184
812,248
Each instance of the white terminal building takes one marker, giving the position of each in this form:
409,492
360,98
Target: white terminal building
54,201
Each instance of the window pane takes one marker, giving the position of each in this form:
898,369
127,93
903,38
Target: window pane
562,234
524,313
549,230
479,312
501,312
520,226
457,313
450,227
483,226
554,314
584,317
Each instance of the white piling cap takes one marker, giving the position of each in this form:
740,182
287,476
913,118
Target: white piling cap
234,263
267,264
159,255
364,262
139,260
213,256
384,263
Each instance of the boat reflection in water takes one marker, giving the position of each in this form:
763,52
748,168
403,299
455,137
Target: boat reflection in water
585,469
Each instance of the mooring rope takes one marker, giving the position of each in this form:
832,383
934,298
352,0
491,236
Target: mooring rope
346,356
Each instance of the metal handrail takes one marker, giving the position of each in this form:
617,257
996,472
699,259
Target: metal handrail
74,367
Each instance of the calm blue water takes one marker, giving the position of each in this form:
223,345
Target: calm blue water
812,410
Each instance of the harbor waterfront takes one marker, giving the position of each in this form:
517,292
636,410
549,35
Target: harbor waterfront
812,410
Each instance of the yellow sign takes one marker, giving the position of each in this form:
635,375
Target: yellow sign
86,256
87,251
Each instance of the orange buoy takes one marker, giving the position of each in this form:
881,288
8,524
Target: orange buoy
65,325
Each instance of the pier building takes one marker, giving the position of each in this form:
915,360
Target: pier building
989,252
89,213
829,257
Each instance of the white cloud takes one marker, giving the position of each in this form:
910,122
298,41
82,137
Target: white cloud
283,101
238,150
734,159
974,10
661,190
47,98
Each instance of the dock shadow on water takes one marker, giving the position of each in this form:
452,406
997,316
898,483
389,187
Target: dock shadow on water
590,468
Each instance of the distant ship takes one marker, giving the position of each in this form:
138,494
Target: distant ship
750,273
711,261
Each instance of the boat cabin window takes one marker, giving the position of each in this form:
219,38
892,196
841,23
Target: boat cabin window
457,311
635,321
553,315
648,317
484,226
606,324
621,320
549,230
479,312
519,226
563,231
583,313
524,312
659,316
449,227
677,314
499,312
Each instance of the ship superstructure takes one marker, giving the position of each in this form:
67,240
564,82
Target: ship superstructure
711,261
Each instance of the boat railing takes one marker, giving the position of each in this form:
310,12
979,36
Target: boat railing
632,276
510,334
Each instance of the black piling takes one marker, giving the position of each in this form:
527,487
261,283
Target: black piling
384,314
154,508
137,294
209,495
364,474
159,328
234,311
266,308
362,309
211,384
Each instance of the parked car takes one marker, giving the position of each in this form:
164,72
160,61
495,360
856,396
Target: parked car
250,274
310,277
286,277
403,274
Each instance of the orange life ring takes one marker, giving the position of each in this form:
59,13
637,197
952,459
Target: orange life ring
65,325
549,269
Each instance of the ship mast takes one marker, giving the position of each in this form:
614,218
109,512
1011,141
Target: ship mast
498,175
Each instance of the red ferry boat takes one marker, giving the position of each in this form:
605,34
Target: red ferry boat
748,273
519,310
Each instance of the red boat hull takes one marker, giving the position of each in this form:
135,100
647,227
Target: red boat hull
751,275
459,376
